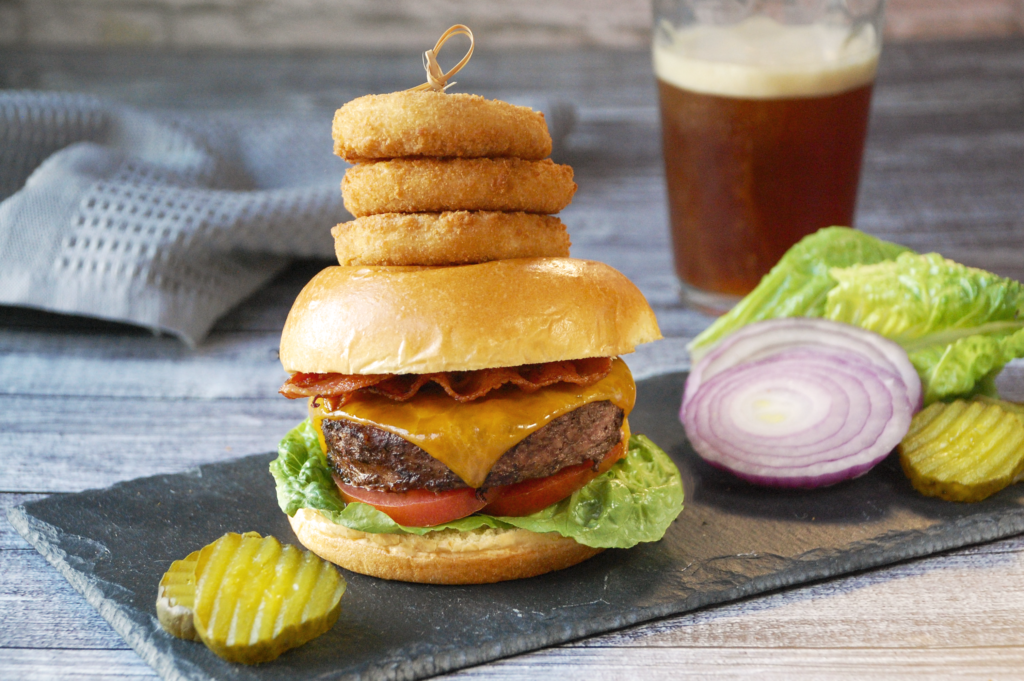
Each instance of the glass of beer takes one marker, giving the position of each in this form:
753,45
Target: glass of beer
764,110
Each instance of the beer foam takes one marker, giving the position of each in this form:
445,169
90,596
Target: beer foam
759,58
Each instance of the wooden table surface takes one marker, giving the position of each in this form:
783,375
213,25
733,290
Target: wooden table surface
84,403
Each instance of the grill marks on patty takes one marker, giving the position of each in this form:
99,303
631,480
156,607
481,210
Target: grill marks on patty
373,458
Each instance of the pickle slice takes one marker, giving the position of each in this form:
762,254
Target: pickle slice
175,598
256,599
963,451
1012,407
176,595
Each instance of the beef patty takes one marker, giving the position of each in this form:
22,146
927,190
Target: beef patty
369,457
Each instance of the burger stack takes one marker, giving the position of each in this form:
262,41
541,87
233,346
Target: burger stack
447,180
459,366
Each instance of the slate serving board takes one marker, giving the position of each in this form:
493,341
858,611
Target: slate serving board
732,540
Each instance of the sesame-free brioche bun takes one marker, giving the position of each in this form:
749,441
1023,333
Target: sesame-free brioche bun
480,556
419,320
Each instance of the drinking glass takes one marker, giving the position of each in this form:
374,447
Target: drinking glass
764,111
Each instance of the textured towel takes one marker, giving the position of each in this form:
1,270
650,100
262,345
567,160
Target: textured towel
166,222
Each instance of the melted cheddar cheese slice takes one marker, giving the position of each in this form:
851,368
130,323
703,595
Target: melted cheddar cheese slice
470,437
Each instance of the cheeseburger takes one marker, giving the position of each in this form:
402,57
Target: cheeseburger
469,424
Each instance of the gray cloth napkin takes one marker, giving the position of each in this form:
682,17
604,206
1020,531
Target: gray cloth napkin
158,220
163,220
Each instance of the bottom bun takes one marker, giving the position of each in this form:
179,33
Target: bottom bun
481,556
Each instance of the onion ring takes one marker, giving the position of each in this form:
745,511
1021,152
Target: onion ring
453,238
431,185
428,123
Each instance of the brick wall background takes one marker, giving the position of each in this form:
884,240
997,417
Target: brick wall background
297,24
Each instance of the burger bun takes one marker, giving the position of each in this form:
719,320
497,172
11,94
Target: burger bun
480,556
421,320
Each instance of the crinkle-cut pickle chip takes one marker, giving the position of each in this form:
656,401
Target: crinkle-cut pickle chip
1012,407
175,598
256,599
176,595
963,451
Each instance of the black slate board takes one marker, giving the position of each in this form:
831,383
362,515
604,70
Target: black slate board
732,540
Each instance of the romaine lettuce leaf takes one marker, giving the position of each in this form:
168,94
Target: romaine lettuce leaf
959,325
799,282
635,501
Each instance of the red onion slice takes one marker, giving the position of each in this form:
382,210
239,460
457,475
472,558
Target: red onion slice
847,383
799,419
795,397
861,391
763,339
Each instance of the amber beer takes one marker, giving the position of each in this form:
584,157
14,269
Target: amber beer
759,151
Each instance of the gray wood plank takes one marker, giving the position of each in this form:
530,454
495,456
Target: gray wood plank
299,25
235,365
73,664
786,664
42,611
61,444
600,664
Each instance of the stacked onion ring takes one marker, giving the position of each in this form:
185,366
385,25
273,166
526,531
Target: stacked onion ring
800,402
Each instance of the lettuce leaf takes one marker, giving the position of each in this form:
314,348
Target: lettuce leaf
798,284
959,325
635,501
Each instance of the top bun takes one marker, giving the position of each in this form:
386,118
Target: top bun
419,320
427,123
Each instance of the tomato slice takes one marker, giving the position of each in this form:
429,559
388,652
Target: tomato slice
417,507
530,496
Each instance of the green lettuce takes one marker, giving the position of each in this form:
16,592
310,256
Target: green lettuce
799,283
635,501
959,325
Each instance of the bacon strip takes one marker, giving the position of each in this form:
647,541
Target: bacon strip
462,386
309,385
